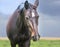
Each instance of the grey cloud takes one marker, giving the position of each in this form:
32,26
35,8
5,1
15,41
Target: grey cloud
49,26
51,7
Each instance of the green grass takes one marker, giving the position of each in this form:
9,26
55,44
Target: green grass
40,43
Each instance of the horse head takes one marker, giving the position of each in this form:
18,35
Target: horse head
30,18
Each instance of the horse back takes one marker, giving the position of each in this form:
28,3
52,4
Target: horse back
12,20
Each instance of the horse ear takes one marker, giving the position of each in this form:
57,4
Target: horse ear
36,3
26,5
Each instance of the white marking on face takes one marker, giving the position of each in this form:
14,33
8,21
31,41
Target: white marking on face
33,15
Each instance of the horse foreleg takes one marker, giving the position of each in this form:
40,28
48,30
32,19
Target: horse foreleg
24,44
20,45
13,45
27,43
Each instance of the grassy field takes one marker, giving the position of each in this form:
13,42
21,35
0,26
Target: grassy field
40,43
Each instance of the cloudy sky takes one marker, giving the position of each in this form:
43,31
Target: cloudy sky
49,12
50,18
9,6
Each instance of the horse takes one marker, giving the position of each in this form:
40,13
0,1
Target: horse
23,25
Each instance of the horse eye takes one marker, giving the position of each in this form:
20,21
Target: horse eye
27,17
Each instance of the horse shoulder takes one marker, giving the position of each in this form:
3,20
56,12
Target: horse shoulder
12,20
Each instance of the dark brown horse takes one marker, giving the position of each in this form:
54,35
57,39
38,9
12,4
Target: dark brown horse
23,25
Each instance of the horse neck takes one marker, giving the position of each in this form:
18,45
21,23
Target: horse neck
23,26
22,16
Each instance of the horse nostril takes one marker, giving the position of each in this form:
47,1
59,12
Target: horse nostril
34,38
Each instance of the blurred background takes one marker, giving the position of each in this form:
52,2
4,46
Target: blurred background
49,16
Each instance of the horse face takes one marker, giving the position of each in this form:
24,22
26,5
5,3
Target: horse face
31,16
34,20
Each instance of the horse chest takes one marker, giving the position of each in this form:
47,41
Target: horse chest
21,37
